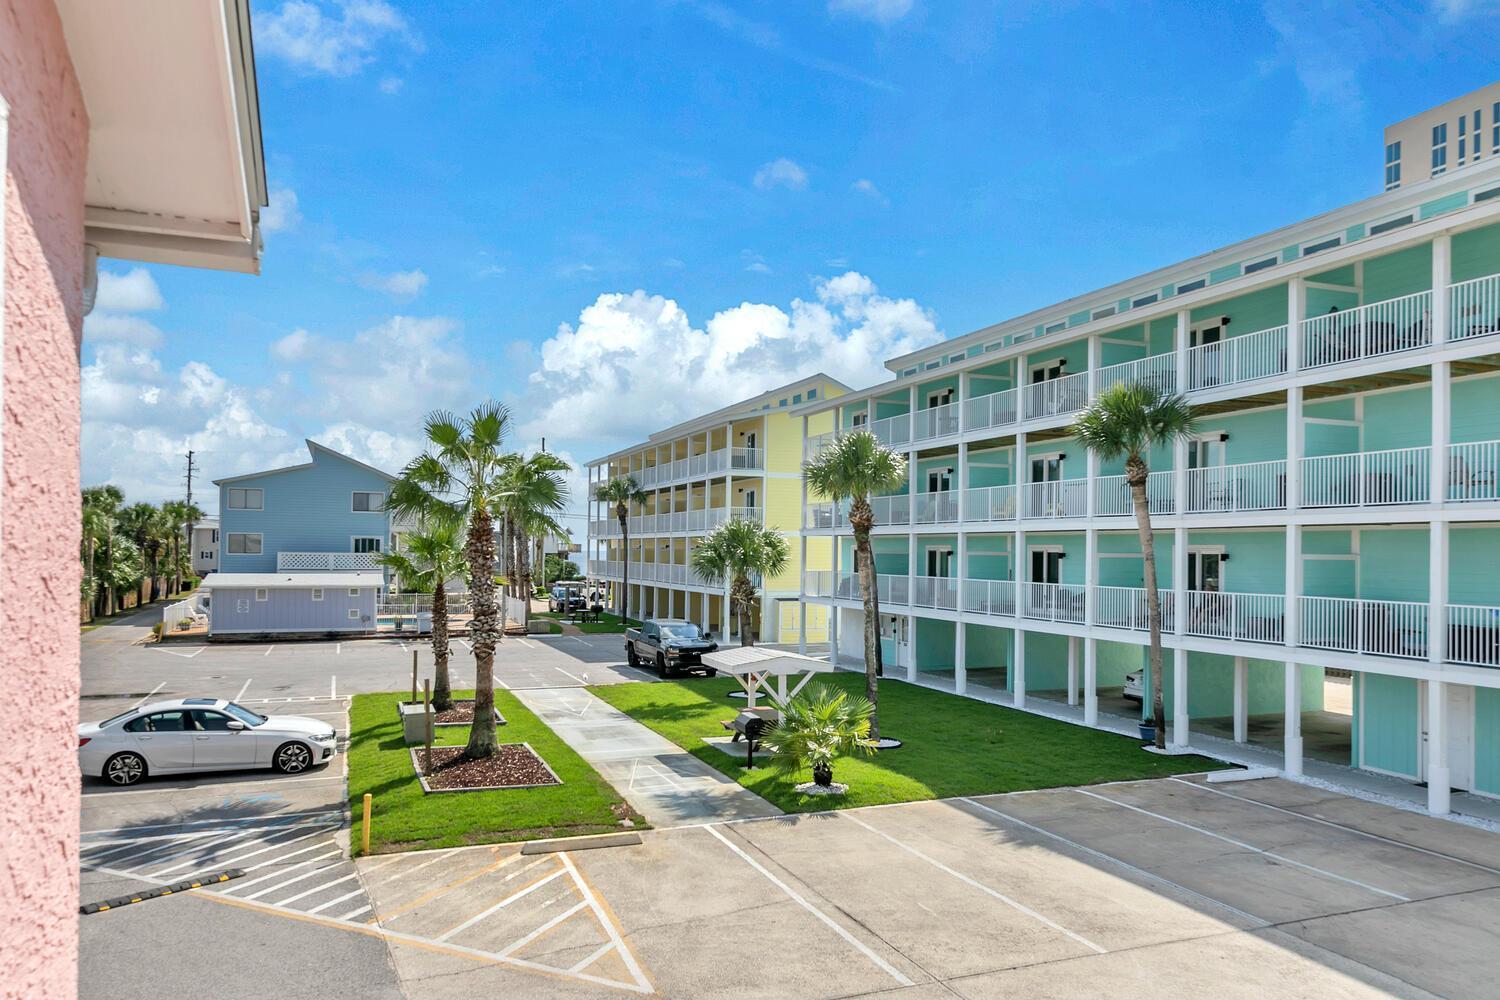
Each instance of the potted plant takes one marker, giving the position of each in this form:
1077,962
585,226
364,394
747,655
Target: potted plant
1148,730
184,624
816,729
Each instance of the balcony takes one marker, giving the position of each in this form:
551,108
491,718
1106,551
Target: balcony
1474,308
1057,396
939,507
1367,478
1369,331
1474,471
1053,602
989,597
935,422
1248,617
998,409
1061,498
938,592
1238,359
1112,495
1126,607
1233,488
755,514
892,431
1159,371
1474,635
1350,625
287,562
892,509
990,503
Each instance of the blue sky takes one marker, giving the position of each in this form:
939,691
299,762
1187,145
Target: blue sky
614,216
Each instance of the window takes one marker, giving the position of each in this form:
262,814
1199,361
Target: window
1048,371
812,394
353,591
939,561
245,499
1046,565
261,594
939,480
796,398
365,543
241,606
861,418
1392,166
1463,139
211,722
207,555
213,536
368,501
317,593
940,398
1205,570
178,721
1495,126
244,543
1439,148
354,614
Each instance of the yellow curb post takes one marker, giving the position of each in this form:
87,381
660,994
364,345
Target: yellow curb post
365,838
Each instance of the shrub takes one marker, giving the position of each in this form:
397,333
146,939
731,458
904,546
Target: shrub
818,727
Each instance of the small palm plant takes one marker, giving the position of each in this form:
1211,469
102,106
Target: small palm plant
621,492
853,468
1126,421
735,551
428,559
818,727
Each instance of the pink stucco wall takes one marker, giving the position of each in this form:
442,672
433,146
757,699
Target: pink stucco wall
39,568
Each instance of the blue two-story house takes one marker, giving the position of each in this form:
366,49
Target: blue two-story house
326,514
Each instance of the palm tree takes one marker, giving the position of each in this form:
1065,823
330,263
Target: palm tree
816,728
531,493
428,559
179,515
852,468
150,529
737,550
102,504
457,481
622,491
1126,421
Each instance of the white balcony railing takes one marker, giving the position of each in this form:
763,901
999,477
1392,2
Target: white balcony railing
1158,371
1252,617
1367,478
1252,486
939,592
1474,471
1474,307
939,507
890,588
893,431
935,422
990,597
1061,498
1126,607
990,503
756,514
330,561
813,446
826,515
892,510
1112,495
746,458
1057,396
1246,358
1350,625
1474,635
1054,602
1403,324
997,409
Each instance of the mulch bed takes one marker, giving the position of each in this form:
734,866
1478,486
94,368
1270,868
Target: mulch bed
513,765
461,714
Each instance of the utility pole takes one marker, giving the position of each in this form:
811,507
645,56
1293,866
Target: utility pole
192,467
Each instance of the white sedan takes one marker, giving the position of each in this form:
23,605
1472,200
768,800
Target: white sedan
200,734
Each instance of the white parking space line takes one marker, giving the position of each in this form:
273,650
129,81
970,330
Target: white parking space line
279,844
795,897
242,886
244,688
521,893
1127,866
318,888
148,695
220,823
1340,826
584,641
193,849
176,652
415,868
282,885
268,651
334,902
517,945
353,913
1247,847
974,883
333,686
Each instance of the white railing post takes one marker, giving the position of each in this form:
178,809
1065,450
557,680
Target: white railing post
1093,369
1180,346
1442,297
1296,311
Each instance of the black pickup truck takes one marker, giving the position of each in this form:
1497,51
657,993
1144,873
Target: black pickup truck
668,644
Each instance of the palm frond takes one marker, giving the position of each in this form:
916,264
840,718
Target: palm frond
854,466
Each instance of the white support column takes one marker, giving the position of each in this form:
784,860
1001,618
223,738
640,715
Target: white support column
1180,478
1439,777
1437,593
1019,474
1179,583
1292,612
1090,575
1296,311
1293,709
1091,681
960,657
1179,697
1093,370
1072,670
1018,679
833,633
1241,699
1295,435
1442,277
1180,345
1442,430
963,394
911,648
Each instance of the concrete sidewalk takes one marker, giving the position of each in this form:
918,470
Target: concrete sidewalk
663,782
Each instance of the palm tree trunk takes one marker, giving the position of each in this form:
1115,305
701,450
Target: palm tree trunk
484,633
624,566
109,570
744,594
523,565
1136,474
860,518
93,581
442,690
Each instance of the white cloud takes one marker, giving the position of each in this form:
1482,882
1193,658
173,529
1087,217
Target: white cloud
884,12
292,348
399,284
867,187
335,39
623,343
391,85
281,212
754,262
781,173
1458,11
133,291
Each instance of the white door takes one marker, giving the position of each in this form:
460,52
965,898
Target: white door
1461,736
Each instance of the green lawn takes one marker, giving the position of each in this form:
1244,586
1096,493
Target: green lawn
608,624
954,746
405,818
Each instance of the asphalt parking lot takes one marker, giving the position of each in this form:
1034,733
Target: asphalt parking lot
1169,887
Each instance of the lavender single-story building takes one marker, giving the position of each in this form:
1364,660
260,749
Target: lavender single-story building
310,603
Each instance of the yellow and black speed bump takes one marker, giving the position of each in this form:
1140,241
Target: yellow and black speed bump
162,890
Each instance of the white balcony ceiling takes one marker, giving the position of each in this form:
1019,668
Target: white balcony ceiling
175,168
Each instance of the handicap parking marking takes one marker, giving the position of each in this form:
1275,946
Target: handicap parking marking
175,652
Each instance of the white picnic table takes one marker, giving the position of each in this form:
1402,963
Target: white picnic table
769,671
